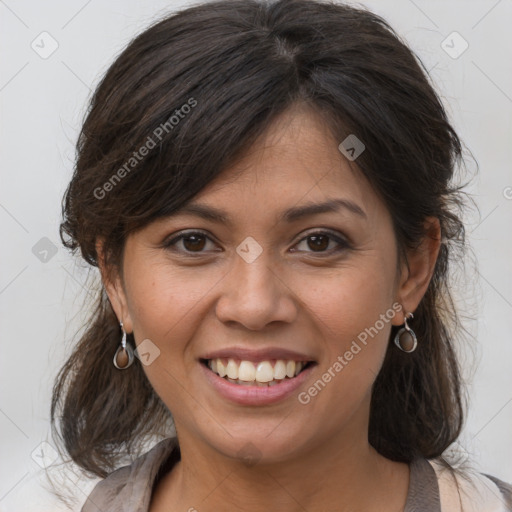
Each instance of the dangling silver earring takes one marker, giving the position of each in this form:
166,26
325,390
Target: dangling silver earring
123,358
405,338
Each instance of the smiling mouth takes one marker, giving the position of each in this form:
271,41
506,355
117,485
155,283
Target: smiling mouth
262,374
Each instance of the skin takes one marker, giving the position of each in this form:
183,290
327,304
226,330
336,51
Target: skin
291,296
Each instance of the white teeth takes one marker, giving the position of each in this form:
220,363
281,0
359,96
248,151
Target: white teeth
232,369
280,370
221,369
261,374
246,371
264,372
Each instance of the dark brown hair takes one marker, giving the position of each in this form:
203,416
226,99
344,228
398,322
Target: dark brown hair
238,64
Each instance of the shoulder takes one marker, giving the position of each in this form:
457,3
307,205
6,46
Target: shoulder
132,483
470,491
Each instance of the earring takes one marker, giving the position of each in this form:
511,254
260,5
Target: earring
405,338
123,358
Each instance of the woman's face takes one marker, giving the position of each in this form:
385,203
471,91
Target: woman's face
288,256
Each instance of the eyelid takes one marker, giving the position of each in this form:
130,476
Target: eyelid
340,239
324,231
173,239
187,231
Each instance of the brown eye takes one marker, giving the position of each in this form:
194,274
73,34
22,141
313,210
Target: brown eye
191,242
322,242
194,242
318,242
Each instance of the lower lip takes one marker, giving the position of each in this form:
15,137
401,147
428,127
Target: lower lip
255,395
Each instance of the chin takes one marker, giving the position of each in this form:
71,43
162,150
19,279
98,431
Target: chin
264,446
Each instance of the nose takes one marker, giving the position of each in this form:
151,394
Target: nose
254,295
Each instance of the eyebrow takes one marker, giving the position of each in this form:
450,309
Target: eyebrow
291,215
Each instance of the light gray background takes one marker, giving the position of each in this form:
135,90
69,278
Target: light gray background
42,102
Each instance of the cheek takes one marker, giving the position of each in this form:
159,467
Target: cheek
165,302
349,309
167,307
350,294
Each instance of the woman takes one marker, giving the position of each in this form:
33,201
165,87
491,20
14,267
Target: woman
267,190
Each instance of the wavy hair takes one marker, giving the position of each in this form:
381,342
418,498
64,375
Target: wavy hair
243,63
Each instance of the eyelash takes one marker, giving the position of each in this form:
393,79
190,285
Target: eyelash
343,243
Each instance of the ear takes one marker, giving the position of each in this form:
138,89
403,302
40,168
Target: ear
416,276
113,283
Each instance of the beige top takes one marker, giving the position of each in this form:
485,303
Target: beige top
431,487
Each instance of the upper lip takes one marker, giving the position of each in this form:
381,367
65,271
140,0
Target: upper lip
257,355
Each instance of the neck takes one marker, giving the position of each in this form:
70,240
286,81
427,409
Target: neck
340,475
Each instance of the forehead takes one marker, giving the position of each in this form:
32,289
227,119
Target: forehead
296,161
